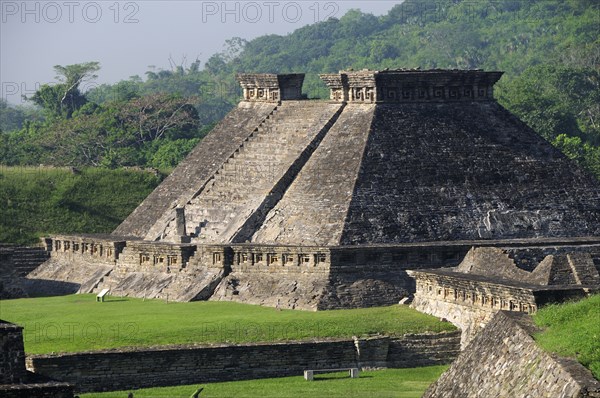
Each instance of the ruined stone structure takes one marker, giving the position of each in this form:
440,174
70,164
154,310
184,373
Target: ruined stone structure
488,280
320,204
15,380
15,263
180,365
504,361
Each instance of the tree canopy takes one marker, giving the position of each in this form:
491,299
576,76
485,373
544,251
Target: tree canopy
549,49
61,100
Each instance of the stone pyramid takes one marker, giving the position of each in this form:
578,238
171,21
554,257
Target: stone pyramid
393,157
321,204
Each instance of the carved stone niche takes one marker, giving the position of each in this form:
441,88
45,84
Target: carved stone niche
268,87
412,85
338,86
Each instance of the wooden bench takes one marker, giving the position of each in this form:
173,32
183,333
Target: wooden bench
309,374
100,296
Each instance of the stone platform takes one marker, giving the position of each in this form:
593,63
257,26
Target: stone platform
319,204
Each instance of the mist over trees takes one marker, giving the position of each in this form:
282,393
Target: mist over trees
549,49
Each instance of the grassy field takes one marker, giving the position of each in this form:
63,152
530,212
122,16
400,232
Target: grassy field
38,201
397,383
77,322
572,330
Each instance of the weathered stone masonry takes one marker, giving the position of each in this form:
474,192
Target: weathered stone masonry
411,85
504,361
331,202
15,380
165,366
15,263
488,280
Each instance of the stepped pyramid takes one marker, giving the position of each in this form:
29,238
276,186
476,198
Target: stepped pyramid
325,203
412,156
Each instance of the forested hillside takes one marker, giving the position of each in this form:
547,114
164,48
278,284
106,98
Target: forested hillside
38,201
550,50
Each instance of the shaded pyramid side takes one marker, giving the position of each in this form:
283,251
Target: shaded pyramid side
393,173
457,171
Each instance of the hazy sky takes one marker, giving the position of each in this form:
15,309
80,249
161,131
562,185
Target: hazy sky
126,37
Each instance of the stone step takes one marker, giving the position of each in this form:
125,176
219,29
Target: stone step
257,165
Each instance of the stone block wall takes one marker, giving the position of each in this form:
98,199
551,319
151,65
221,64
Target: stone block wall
39,390
281,259
15,380
470,301
128,369
99,249
271,87
504,361
289,276
12,364
18,261
143,256
488,280
415,350
15,263
322,277
467,303
369,276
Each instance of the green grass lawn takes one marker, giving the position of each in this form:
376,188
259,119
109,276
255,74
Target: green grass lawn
397,383
572,330
78,323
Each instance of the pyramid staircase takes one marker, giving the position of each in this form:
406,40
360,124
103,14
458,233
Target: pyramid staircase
244,182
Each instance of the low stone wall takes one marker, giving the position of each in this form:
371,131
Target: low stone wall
15,263
12,359
504,361
39,390
154,367
423,350
15,380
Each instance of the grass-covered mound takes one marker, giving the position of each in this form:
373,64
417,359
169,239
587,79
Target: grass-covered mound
572,330
78,323
38,201
397,383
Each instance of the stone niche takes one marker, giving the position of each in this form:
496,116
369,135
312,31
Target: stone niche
399,86
270,87
102,248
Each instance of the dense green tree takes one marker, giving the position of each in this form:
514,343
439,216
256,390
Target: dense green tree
556,100
585,154
61,100
157,116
